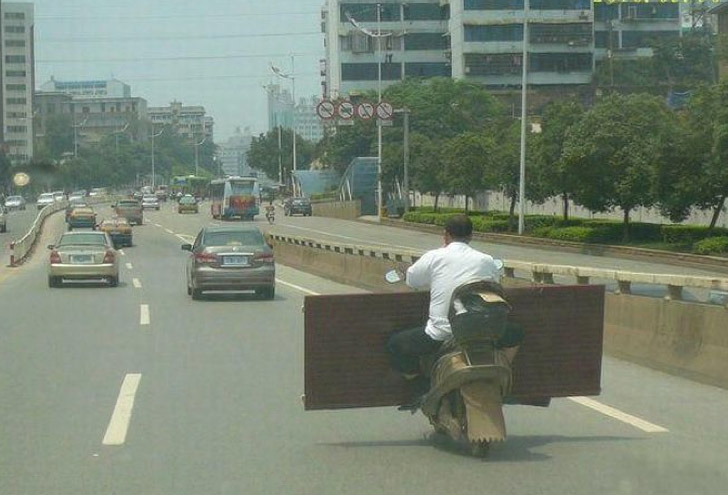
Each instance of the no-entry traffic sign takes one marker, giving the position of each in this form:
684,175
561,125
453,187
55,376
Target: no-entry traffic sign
385,110
365,111
326,110
346,110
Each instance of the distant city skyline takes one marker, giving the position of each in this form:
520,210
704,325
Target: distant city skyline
216,54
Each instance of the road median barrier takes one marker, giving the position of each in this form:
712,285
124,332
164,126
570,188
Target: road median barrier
625,252
681,337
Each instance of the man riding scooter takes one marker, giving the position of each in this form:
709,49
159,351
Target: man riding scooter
441,271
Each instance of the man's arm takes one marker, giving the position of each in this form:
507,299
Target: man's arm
418,275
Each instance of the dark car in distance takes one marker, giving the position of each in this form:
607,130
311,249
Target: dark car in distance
298,206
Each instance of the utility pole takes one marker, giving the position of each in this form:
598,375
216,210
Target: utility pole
280,157
524,116
406,113
75,136
379,101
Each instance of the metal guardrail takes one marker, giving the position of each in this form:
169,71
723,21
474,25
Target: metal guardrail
539,272
20,249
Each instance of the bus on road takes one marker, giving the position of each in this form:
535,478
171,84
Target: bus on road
235,197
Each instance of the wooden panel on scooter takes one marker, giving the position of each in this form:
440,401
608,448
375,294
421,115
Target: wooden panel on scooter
346,363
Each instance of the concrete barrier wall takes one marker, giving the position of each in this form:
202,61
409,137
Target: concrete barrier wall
345,210
678,337
687,339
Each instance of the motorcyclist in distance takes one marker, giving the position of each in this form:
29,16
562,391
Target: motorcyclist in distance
441,271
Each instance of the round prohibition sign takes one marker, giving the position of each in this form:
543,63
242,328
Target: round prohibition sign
326,110
365,111
346,110
385,111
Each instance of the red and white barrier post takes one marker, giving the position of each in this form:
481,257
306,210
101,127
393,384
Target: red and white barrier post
12,254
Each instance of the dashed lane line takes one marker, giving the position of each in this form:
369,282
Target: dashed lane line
129,266
144,316
298,287
121,417
157,225
136,283
612,412
121,252
169,231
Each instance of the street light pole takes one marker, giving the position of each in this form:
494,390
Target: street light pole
154,136
197,155
379,101
280,157
524,114
293,95
406,113
75,136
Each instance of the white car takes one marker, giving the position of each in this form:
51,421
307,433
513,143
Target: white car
45,199
149,201
15,203
59,195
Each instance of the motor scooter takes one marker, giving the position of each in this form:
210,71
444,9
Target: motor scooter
270,215
471,373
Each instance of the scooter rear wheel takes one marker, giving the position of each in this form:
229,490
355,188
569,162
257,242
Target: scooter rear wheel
479,449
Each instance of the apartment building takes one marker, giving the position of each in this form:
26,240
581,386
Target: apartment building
190,121
94,117
88,89
487,41
17,80
303,117
308,124
482,40
233,153
627,29
415,44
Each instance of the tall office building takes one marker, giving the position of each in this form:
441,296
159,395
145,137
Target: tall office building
17,80
233,153
190,121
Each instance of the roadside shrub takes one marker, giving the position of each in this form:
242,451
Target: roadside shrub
485,224
574,234
689,234
712,245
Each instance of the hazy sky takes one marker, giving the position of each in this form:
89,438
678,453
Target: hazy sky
215,53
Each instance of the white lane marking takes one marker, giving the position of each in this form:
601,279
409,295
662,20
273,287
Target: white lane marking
129,266
157,225
121,252
298,287
638,423
121,417
185,237
168,231
368,241
136,283
144,317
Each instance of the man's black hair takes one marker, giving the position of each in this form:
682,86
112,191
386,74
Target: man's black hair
459,227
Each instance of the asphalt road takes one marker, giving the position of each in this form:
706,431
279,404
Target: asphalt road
216,388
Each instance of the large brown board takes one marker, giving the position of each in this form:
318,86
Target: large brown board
346,364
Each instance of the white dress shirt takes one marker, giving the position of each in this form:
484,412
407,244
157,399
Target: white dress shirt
442,271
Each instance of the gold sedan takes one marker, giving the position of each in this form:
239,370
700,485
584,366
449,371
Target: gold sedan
119,229
83,256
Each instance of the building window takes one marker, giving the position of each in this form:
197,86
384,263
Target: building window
17,115
15,29
605,11
85,110
16,101
103,108
424,12
15,43
14,59
16,16
650,11
571,34
51,108
368,72
560,62
601,39
427,69
500,32
367,12
497,64
645,39
493,4
15,73
15,87
425,41
17,129
560,4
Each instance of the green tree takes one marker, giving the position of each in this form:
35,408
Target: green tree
263,153
467,159
615,150
427,166
549,167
